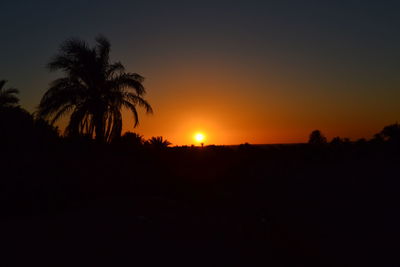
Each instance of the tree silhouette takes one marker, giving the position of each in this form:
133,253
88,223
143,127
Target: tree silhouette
377,139
93,91
158,142
20,129
8,97
391,133
317,138
337,141
131,139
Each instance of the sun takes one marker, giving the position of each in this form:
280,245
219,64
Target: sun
199,137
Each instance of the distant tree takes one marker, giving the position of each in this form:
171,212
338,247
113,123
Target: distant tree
8,97
391,133
158,142
361,141
337,141
93,91
377,139
245,146
346,140
317,138
131,139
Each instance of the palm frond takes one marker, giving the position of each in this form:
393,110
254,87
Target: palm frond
114,125
69,51
132,108
8,97
76,123
11,91
2,83
8,100
103,49
129,81
159,142
115,69
137,100
61,112
61,93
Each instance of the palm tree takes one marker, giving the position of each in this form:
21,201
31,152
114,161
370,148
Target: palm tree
131,139
8,97
93,91
158,142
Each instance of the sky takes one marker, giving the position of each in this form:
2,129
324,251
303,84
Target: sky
237,71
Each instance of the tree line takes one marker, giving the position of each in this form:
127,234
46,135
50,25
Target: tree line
389,134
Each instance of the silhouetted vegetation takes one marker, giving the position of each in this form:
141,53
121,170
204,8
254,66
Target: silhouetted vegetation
93,91
131,139
158,142
8,97
317,138
21,131
391,133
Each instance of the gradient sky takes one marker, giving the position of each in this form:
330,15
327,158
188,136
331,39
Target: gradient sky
239,71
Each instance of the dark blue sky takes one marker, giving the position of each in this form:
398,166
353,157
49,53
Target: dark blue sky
294,59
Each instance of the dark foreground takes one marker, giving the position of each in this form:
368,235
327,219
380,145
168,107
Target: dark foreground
69,203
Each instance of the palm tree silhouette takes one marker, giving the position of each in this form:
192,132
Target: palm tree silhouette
93,91
158,142
131,139
8,97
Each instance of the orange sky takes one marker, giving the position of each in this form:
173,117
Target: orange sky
233,105
239,71
232,101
